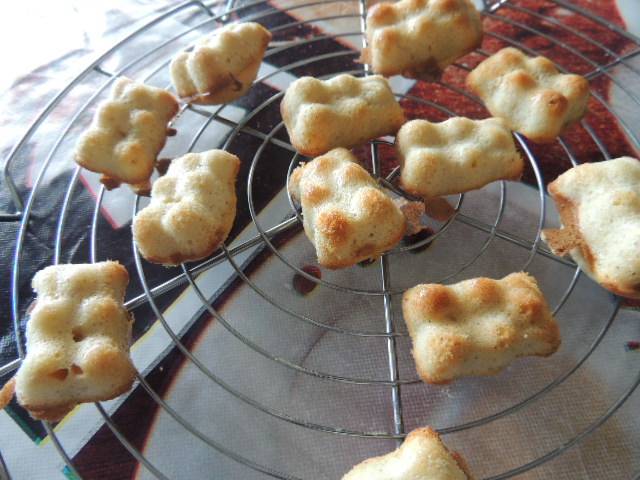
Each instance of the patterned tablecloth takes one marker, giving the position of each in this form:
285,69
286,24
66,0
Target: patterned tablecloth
269,369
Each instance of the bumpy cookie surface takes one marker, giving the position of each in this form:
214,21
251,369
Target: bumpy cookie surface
529,93
455,156
347,216
78,337
192,208
127,133
221,67
478,326
599,205
420,38
422,456
344,111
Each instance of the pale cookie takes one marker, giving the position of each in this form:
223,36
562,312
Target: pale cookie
529,93
221,67
478,326
344,111
422,456
347,216
420,38
192,209
78,337
127,133
455,156
599,206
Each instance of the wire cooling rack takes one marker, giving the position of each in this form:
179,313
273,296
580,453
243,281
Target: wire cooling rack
393,378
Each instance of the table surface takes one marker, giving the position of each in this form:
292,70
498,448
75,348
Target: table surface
70,35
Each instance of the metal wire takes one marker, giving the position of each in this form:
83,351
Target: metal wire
595,95
227,387
548,388
4,472
353,290
569,49
165,407
599,69
265,236
65,201
389,316
9,182
584,433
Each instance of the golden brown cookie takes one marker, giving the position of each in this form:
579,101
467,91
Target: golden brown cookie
192,209
420,38
455,156
347,216
422,456
599,206
344,111
221,67
529,93
478,326
127,133
78,337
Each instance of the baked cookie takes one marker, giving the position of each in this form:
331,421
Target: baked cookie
599,206
420,38
127,133
78,337
455,156
529,93
422,456
347,216
192,209
478,326
344,111
221,67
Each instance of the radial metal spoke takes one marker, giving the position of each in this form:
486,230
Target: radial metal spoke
181,279
389,326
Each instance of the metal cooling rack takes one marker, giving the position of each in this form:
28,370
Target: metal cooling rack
258,10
